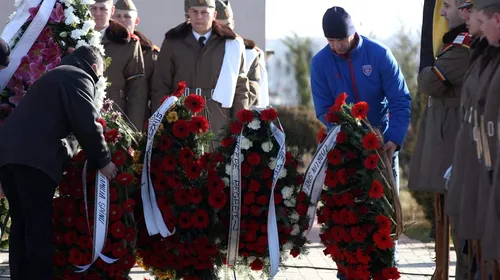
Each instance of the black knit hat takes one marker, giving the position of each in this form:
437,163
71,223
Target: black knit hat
4,53
337,23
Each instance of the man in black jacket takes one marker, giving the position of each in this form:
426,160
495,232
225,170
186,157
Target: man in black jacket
36,142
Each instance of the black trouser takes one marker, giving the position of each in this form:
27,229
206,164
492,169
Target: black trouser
29,192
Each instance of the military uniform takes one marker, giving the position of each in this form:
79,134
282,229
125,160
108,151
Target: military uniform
255,59
150,51
433,155
183,58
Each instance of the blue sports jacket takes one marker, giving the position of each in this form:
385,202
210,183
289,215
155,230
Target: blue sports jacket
368,73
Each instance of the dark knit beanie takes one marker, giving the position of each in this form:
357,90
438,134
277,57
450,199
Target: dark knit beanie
337,23
4,53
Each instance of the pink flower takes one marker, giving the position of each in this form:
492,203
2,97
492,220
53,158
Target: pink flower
53,64
33,11
23,71
16,85
51,52
45,35
37,69
36,50
57,14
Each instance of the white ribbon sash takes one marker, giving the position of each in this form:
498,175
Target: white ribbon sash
21,16
27,40
251,55
101,213
228,77
272,224
152,214
235,210
316,173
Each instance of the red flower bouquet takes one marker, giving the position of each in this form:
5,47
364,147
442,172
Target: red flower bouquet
254,136
360,212
74,234
186,194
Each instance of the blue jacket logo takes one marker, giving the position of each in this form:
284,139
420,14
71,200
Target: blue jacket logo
367,69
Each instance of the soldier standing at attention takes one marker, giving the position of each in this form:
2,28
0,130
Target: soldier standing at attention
255,58
129,89
126,13
194,52
433,155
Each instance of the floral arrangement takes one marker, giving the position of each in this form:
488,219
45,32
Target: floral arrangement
360,212
258,157
70,25
187,195
73,233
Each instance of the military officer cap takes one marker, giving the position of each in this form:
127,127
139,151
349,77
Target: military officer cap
224,11
481,4
467,4
125,5
103,1
202,3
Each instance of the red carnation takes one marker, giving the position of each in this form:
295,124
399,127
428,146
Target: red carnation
295,252
102,122
320,137
195,196
215,183
371,141
169,163
342,176
263,200
227,142
331,179
334,157
217,200
249,198
360,110
200,219
184,220
358,235
391,273
199,124
186,155
181,129
193,170
339,102
195,103
302,209
245,116
269,115
257,264
254,186
181,88
75,256
115,212
165,143
236,128
341,137
181,197
253,159
371,162
112,136
124,178
332,117
119,158
377,190
383,222
128,205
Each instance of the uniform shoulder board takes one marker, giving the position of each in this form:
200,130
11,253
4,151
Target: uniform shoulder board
135,37
463,39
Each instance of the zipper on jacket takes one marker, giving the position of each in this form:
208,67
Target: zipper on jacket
353,80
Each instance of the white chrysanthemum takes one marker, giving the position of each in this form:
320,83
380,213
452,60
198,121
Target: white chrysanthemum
294,217
70,16
226,181
87,2
291,202
283,173
81,43
272,163
88,25
68,2
267,146
295,229
228,169
100,92
255,124
286,192
245,143
288,246
78,33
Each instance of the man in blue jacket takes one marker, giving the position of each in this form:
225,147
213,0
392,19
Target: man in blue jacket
366,71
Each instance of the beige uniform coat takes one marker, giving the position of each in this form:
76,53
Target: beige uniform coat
442,84
126,73
183,59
